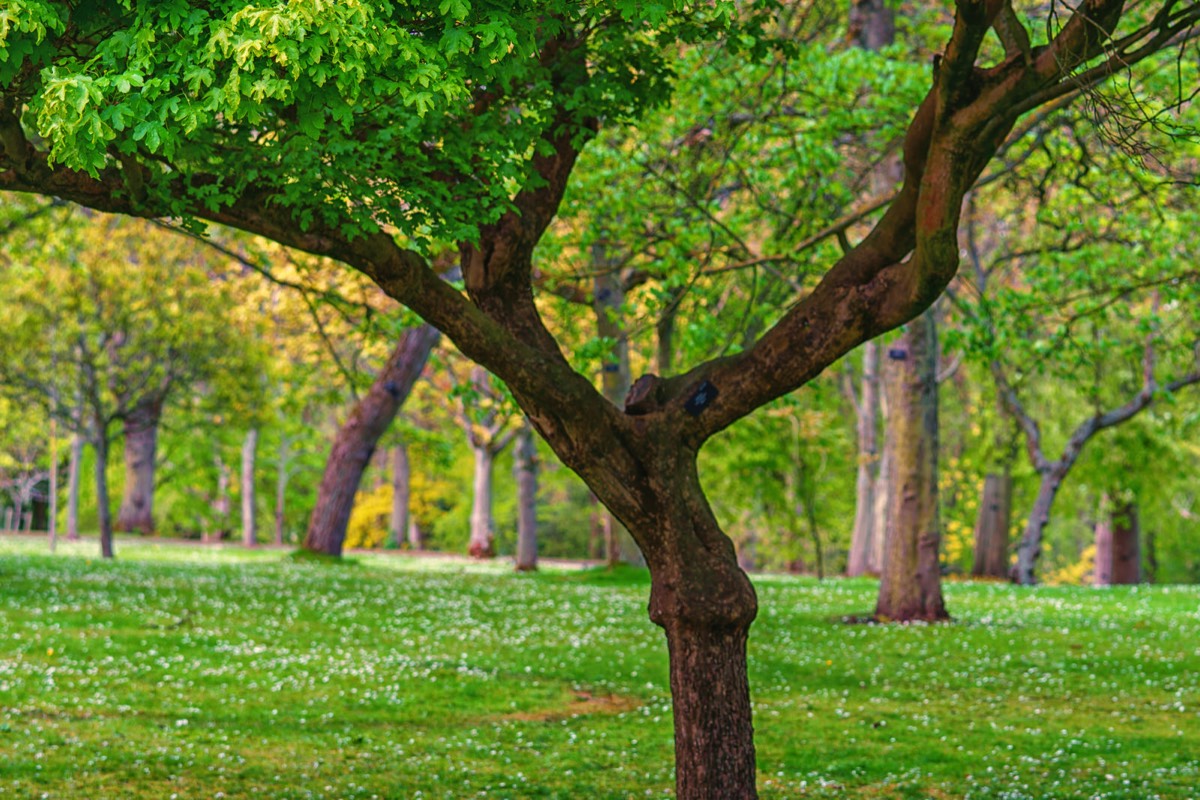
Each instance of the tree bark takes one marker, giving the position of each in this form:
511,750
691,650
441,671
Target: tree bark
100,445
1030,548
249,495
282,477
73,469
883,495
865,517
482,531
991,527
401,490
356,440
141,444
911,586
221,504
525,465
1118,547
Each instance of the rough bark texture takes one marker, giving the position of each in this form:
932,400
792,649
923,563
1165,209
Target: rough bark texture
104,512
401,486
1118,548
867,424
141,444
356,440
525,467
73,468
911,588
249,494
482,544
991,527
1030,548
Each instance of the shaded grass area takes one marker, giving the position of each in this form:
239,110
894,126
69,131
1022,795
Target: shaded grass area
203,673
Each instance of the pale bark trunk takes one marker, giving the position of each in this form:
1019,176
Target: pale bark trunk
401,487
103,511
862,540
525,465
282,476
249,496
356,440
911,587
73,469
991,527
416,537
883,490
141,445
482,531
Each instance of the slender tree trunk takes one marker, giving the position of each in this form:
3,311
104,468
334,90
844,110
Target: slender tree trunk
883,489
1030,547
73,469
596,549
525,465
356,440
103,511
282,476
416,537
221,504
401,487
141,444
911,586
482,531
991,527
249,496
862,539
53,521
1151,556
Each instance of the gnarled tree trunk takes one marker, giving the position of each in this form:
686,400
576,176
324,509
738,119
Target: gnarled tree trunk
356,440
141,444
1030,548
991,527
911,588
525,467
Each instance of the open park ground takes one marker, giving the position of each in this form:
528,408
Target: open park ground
189,672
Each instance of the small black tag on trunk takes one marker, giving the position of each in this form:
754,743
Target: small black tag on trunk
702,399
897,354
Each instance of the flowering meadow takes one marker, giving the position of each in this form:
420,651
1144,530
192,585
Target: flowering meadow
185,672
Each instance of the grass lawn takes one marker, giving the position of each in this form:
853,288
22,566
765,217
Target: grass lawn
200,673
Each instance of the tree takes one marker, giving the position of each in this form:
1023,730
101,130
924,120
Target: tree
104,314
463,123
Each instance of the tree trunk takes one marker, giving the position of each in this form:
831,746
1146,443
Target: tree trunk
911,588
525,465
401,486
1118,547
991,527
883,488
282,476
73,468
416,537
249,496
482,530
141,443
221,504
862,540
1030,547
53,513
356,439
103,511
